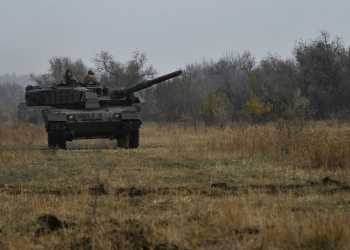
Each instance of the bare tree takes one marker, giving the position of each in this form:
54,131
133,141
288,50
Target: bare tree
324,72
58,67
11,91
42,80
115,73
274,80
108,68
232,74
11,94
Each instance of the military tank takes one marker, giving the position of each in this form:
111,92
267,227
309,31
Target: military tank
90,112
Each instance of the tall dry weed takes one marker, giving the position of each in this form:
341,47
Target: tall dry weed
317,148
329,150
323,147
21,133
153,197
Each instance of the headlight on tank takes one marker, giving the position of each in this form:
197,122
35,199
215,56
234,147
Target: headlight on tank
116,116
70,117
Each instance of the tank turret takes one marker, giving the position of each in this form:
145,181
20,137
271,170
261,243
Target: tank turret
77,96
87,112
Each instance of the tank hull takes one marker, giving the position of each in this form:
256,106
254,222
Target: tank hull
120,123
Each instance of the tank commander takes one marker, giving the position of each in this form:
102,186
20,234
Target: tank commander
90,79
67,77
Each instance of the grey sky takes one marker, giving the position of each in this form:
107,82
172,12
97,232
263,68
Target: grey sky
172,33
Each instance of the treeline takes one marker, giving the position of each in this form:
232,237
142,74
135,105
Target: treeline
23,80
11,94
313,83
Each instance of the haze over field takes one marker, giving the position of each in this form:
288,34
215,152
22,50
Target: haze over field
172,33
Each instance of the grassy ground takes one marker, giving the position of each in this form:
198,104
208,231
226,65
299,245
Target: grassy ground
247,187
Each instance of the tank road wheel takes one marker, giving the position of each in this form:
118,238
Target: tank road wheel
57,136
129,139
134,139
122,142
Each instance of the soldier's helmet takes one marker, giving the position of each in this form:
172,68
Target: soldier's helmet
90,72
68,71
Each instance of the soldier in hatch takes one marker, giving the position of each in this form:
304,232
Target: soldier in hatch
67,77
90,79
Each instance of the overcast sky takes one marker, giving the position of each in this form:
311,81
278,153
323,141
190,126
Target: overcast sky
171,33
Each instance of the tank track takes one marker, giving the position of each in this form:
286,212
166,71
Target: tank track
57,135
130,139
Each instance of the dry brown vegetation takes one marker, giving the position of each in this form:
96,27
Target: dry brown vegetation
248,187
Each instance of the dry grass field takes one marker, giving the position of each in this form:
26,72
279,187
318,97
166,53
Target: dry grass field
248,187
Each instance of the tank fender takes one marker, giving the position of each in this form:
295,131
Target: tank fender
130,116
56,118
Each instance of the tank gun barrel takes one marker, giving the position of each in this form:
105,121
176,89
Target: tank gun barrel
120,93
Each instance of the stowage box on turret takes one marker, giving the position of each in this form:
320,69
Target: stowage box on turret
89,112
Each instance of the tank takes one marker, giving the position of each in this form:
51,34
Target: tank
91,112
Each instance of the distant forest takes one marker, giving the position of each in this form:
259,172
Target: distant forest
314,83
